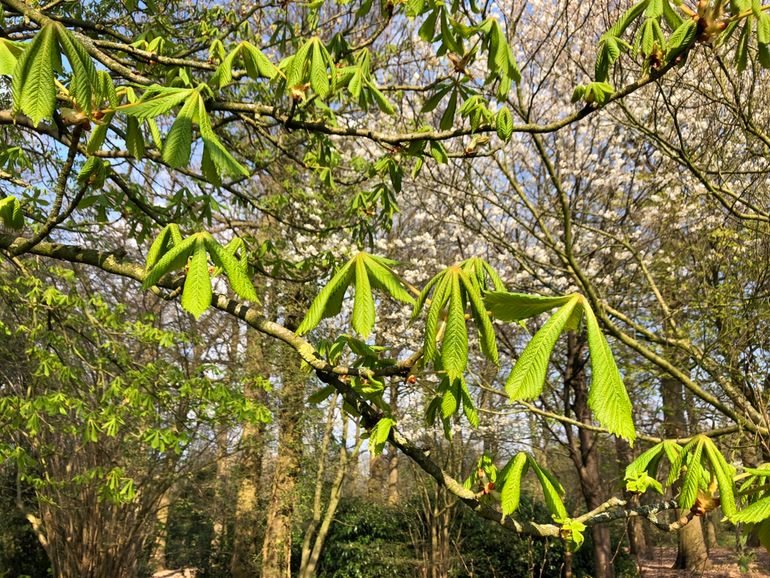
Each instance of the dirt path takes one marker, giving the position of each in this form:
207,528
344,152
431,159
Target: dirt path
725,565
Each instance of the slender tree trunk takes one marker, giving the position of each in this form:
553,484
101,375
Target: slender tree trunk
585,456
637,537
243,560
692,552
158,556
393,493
276,548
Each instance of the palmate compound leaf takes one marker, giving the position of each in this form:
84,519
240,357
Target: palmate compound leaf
528,376
169,253
453,289
366,272
608,398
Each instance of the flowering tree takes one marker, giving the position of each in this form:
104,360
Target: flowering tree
197,148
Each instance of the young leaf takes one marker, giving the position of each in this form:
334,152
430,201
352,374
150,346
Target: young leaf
481,318
85,81
363,303
440,297
172,260
319,80
511,492
692,478
608,398
382,277
724,475
504,124
152,106
379,435
528,375
176,150
454,348
168,237
319,307
754,513
640,464
550,491
196,295
34,91
219,155
10,212
518,306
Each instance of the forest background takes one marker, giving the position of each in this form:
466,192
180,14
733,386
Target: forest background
427,288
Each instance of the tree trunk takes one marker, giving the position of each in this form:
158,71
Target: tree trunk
637,538
243,560
393,494
276,548
692,553
585,456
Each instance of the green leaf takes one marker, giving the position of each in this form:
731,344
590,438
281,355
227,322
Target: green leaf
469,408
753,513
724,475
382,102
256,61
363,303
692,478
85,81
763,28
511,492
318,308
178,145
550,491
518,306
134,138
504,123
454,346
196,295
528,375
628,17
151,106
450,401
295,75
379,435
319,79
640,464
481,318
219,155
11,213
174,259
382,277
9,56
447,119
440,297
233,269
34,91
608,398
168,237
681,39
